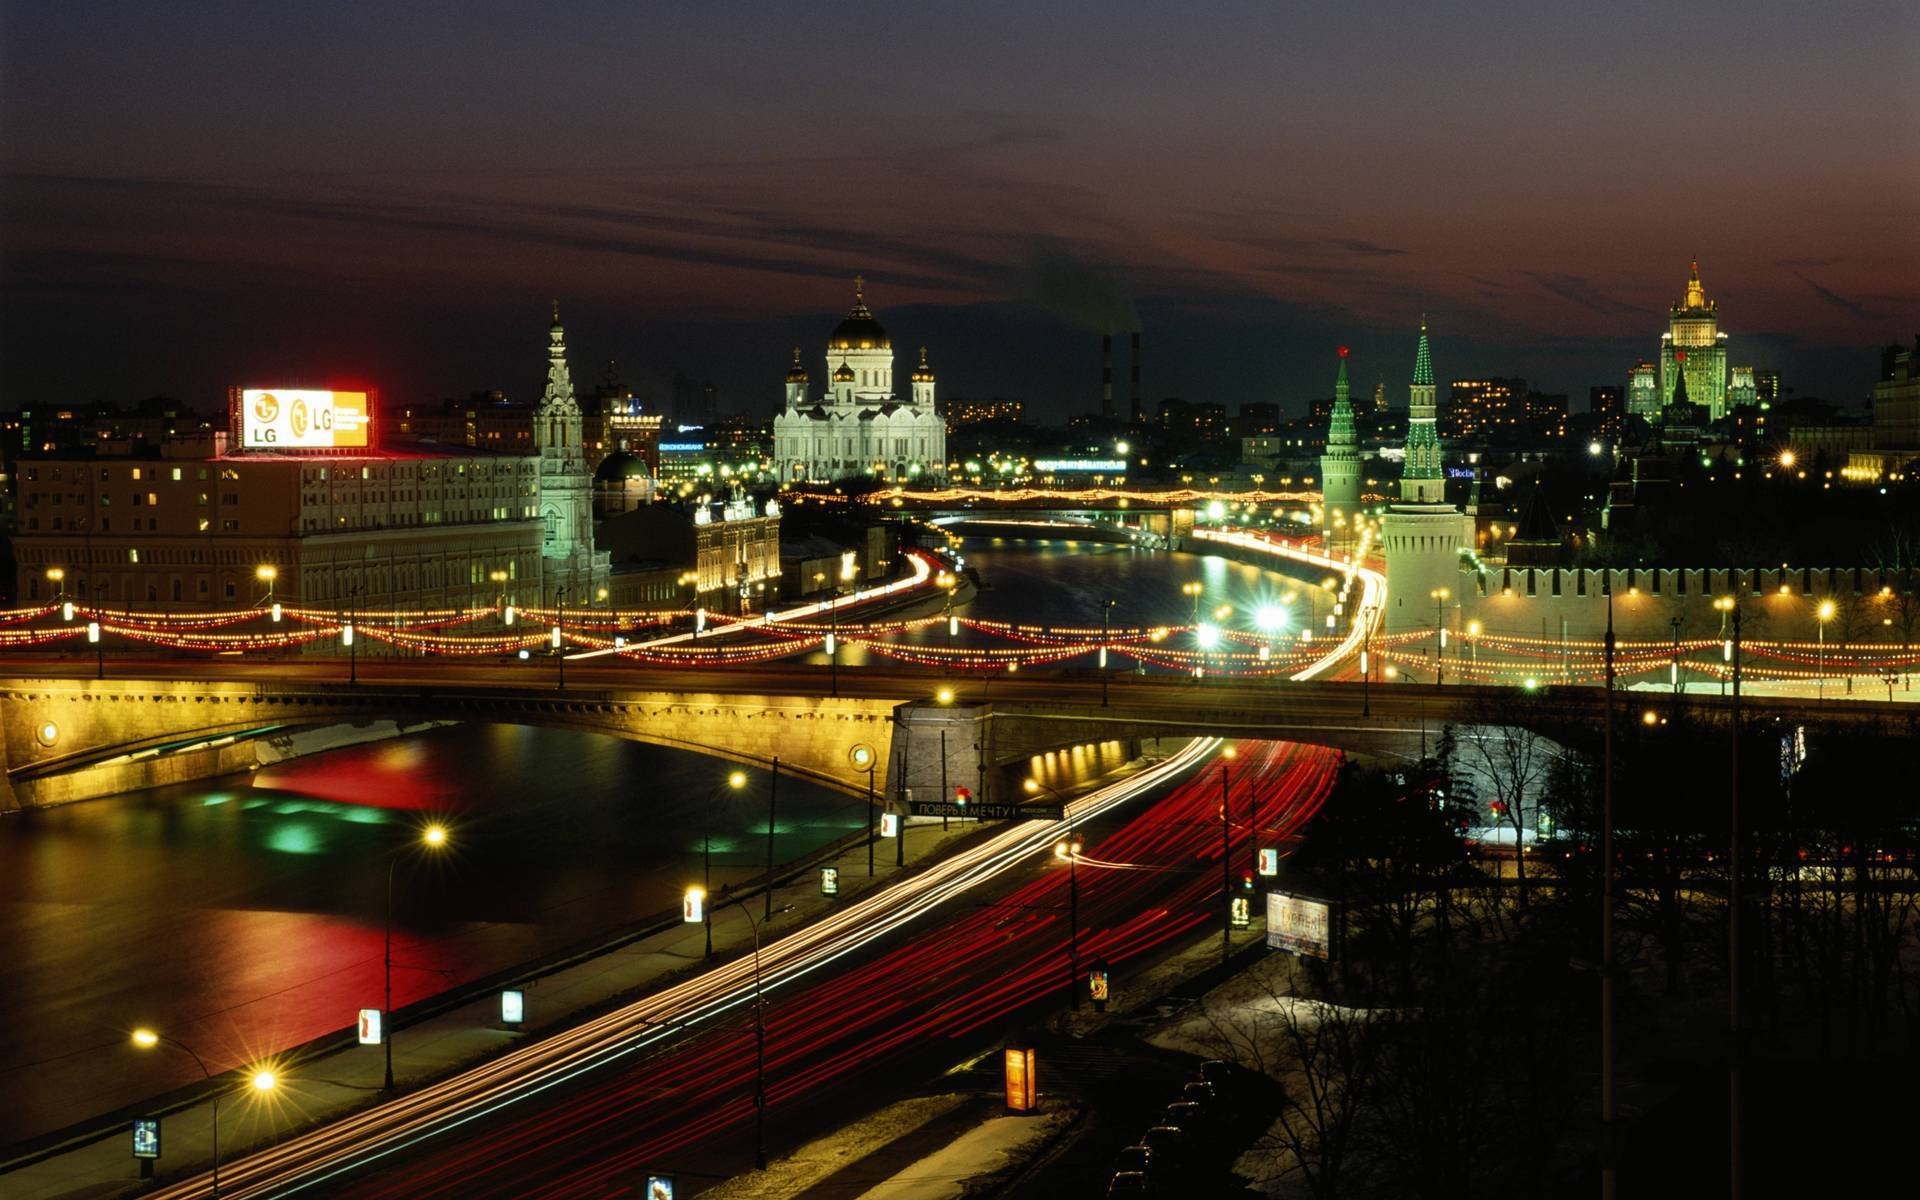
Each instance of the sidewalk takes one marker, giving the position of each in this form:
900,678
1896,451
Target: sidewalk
337,1081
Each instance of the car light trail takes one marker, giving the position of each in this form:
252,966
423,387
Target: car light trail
307,1163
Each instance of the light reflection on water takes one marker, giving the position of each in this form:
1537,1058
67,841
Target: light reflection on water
243,914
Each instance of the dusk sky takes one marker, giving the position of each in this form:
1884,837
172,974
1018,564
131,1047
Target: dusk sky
198,194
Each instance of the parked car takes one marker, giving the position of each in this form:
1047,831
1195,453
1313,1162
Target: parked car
1129,1183
1217,1073
1137,1158
1203,1094
1169,1145
1188,1117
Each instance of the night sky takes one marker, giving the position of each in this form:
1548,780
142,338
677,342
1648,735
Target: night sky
198,194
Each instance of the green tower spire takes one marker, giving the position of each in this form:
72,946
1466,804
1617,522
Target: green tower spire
1340,465
1423,481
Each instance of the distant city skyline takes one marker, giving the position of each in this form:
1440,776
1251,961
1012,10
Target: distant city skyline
194,201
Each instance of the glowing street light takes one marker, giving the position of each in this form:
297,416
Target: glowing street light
433,836
1824,613
262,1081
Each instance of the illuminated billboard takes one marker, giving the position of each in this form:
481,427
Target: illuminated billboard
1022,1080
302,419
370,1026
1298,925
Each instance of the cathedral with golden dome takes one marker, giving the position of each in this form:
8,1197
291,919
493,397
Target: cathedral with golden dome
859,425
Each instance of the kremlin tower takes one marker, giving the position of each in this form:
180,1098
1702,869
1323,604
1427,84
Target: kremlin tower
1340,465
1422,535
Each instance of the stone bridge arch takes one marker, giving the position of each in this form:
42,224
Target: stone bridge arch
64,740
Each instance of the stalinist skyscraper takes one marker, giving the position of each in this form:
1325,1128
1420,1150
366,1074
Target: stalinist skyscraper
1423,535
1340,465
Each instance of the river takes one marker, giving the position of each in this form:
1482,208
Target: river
244,914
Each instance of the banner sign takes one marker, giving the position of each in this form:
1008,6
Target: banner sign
1298,925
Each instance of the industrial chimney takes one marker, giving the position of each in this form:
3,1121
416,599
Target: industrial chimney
1106,375
1133,392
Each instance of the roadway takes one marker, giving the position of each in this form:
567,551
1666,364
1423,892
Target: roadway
1260,702
860,1003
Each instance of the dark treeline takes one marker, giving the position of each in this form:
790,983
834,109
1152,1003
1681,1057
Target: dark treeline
1450,1046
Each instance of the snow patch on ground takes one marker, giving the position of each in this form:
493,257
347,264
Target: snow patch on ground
828,1154
984,1150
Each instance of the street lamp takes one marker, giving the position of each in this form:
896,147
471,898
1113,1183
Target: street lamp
759,1047
1193,591
1440,596
556,638
1824,613
1106,633
864,759
1226,856
433,837
1730,610
266,573
1069,848
260,1080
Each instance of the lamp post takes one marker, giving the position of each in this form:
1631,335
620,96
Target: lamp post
1822,615
498,579
773,792
1440,596
833,636
267,573
559,637
1069,849
1730,607
1366,665
1675,666
347,635
1607,1174
1226,857
759,1049
864,758
57,576
261,1080
1106,632
1473,646
735,780
432,837
1192,591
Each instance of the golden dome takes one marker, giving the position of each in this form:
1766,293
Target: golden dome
859,331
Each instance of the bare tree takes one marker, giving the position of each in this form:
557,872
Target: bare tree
1514,760
1323,1056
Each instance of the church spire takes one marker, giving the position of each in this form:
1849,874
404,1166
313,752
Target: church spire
559,390
1423,358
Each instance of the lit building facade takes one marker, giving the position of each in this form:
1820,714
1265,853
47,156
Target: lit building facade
1694,346
419,530
1643,390
860,426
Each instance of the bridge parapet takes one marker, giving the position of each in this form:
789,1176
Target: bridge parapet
66,739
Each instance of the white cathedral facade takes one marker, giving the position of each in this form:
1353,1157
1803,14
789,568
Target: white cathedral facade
859,426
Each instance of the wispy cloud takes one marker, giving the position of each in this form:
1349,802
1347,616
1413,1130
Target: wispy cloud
1578,289
1850,307
1357,246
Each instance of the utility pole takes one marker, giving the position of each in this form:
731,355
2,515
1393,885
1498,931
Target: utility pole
1106,632
773,792
1226,869
1607,1153
1736,1049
